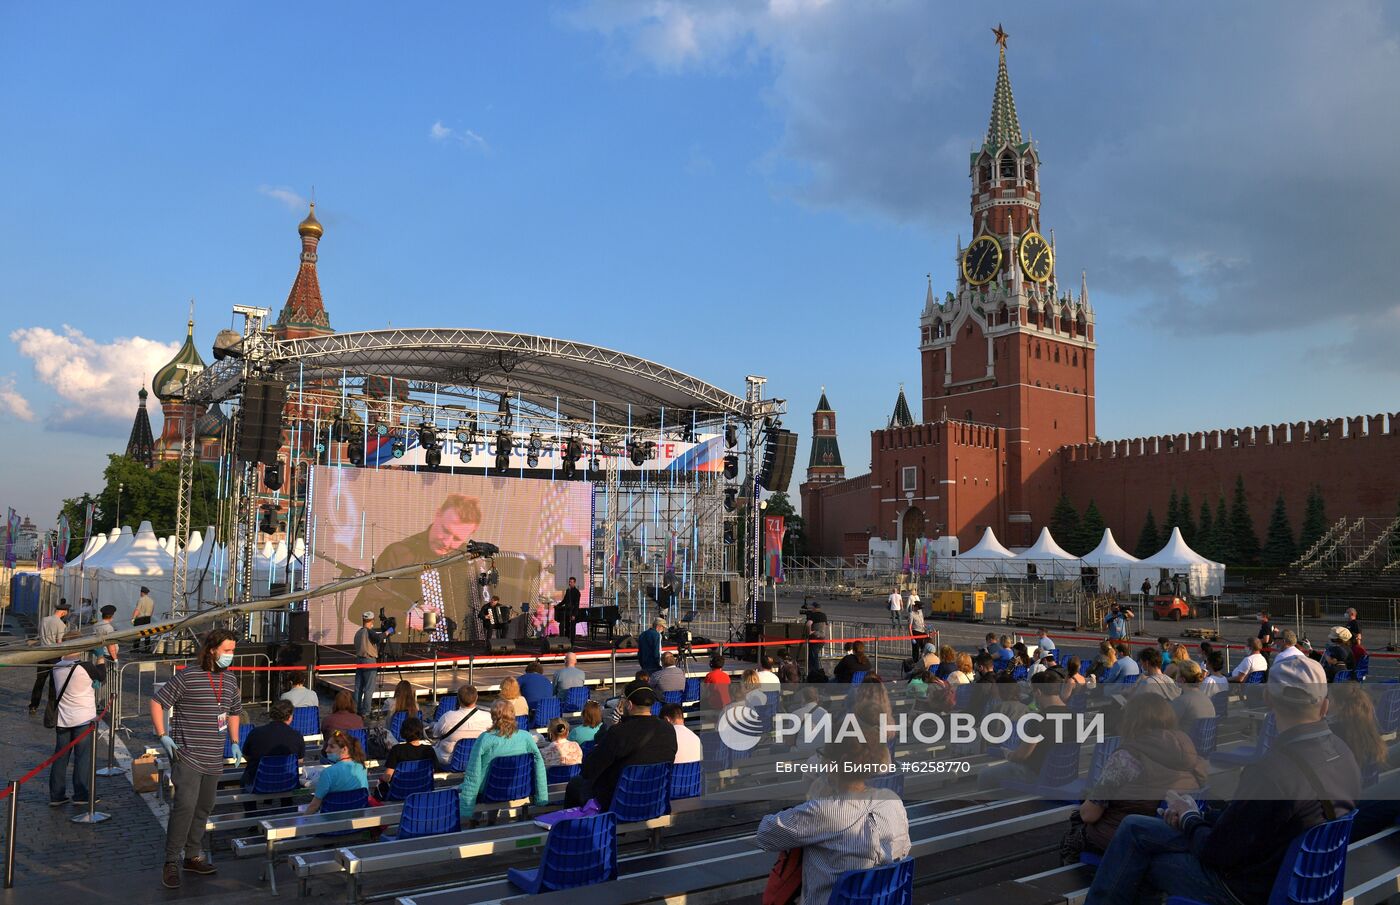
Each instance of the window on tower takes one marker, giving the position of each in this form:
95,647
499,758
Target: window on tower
984,173
1030,171
1008,166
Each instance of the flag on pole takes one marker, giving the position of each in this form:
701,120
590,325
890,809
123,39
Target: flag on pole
65,538
773,542
11,532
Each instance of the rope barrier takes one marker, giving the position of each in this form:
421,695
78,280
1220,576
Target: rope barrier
5,793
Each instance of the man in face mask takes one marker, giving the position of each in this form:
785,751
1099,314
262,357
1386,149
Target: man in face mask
51,629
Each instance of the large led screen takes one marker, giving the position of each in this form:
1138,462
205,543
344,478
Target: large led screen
371,519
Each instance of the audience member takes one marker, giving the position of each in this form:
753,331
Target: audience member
346,772
1252,662
1193,703
299,694
855,661
1074,671
590,721
639,738
812,714
276,736
1152,680
618,710
714,687
467,721
1337,655
502,740
1216,679
405,701
1023,762
1287,643
688,749
534,687
1120,666
947,658
670,677
342,715
1043,641
1352,718
962,672
510,693
413,747
569,676
556,748
767,676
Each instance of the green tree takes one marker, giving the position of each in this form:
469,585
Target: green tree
1205,533
1314,520
1279,549
141,495
76,510
1246,541
1223,538
1149,539
1173,516
1091,528
1064,522
1187,521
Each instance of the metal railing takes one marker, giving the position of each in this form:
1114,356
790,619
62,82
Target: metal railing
129,703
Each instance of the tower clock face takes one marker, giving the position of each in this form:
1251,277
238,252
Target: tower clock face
981,260
1037,260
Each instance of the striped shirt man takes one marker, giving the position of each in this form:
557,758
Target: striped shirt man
199,699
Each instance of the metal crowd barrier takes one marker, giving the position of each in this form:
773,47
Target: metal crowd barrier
130,703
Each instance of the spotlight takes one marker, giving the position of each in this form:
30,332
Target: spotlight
731,499
573,451
266,525
536,442
397,448
639,452
503,408
731,467
504,442
432,457
466,434
272,477
688,433
381,428
532,459
427,436
729,533
228,344
731,435
594,464
604,448
355,447
338,429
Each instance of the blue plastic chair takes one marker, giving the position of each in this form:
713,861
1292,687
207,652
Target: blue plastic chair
461,755
1078,701
1388,711
1058,777
1020,673
276,773
523,723
1084,664
561,773
642,793
410,778
396,723
1257,678
587,747
429,814
888,884
243,730
687,780
1129,680
1203,735
1342,675
360,735
574,699
577,852
348,800
445,706
656,709
673,697
1221,700
307,720
692,691
545,709
962,697
1363,668
858,677
1261,747
1314,867
509,779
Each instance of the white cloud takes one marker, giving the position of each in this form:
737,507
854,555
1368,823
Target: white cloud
291,199
94,381
12,403
464,137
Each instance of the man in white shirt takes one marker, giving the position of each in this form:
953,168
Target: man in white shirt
1044,642
1215,681
299,695
466,722
688,749
768,679
896,603
73,687
1288,645
812,714
1252,663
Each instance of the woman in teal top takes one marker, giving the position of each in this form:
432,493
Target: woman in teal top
502,740
346,772
592,722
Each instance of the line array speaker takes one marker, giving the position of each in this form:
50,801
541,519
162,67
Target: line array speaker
779,456
260,433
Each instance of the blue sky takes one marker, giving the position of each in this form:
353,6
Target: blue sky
726,187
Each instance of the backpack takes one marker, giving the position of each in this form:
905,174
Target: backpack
378,741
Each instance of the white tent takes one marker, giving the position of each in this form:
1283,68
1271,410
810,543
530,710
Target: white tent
1113,563
987,558
117,541
1049,558
72,578
1204,577
140,562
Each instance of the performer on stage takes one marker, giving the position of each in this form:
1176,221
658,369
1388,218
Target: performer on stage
569,607
453,586
494,619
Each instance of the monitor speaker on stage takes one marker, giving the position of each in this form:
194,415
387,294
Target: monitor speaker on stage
500,646
299,627
556,644
765,610
730,590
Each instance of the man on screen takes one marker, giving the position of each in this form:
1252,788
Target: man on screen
454,523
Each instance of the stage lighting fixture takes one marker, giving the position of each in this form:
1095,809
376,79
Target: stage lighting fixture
604,448
397,449
381,428
594,464
272,477
504,442
536,442
355,447
338,430
731,435
731,467
639,452
532,460
466,434
427,436
265,524
432,457
729,533
731,499
503,408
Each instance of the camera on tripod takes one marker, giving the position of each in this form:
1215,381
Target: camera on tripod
388,625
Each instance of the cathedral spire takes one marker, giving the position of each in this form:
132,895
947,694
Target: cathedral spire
141,446
305,313
1004,128
901,417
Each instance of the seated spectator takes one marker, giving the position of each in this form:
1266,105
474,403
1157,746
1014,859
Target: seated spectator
849,827
1120,666
787,669
767,675
569,676
1206,648
670,677
1337,655
502,740
1357,651
299,694
639,738
590,721
1352,718
510,693
1216,680
618,710
1193,703
405,701
1251,663
1104,660
534,687
467,721
984,669
342,715
688,749
991,646
1153,680
1153,756
1024,761
1287,643
1021,655
1072,667
1043,641
346,772
852,663
276,736
714,688
413,747
555,747
947,661
1005,655
918,684
1164,648
1008,698
812,714
962,670
1234,854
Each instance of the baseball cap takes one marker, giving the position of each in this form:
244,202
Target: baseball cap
366,616
642,697
1298,679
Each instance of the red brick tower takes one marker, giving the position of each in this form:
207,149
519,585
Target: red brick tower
824,465
1010,348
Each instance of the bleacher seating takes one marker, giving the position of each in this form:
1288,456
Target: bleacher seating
544,710
461,755
444,706
1363,667
307,720
410,778
510,781
1203,735
577,852
1314,867
858,677
361,736
1388,711
574,699
1058,773
396,723
429,814
673,697
523,722
561,773
687,780
692,691
244,728
642,793
1257,678
276,773
1245,756
888,884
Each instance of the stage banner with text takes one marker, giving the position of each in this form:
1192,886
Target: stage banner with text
773,526
705,455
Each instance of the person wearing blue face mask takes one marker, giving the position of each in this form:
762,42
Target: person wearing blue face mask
207,706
